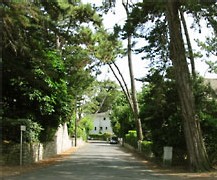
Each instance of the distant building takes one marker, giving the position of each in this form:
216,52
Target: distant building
213,83
102,123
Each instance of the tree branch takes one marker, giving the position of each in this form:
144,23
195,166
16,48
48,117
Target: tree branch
122,87
121,75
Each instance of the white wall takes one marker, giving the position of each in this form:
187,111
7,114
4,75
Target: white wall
63,141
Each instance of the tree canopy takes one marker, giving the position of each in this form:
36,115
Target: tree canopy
51,54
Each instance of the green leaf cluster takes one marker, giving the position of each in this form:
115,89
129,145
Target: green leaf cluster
33,130
121,116
160,113
85,125
131,138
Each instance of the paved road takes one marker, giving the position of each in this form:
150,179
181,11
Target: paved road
96,161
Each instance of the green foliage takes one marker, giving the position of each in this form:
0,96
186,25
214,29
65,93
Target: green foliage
96,136
106,136
108,47
210,47
81,133
103,137
209,127
85,125
146,148
161,117
121,116
34,71
106,95
160,113
71,125
49,60
131,138
206,103
100,96
11,129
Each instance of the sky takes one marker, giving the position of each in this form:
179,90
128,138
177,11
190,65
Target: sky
140,66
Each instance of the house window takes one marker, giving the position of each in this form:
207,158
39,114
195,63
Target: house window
95,128
104,118
106,128
101,128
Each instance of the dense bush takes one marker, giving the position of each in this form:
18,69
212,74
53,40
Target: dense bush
42,80
121,116
162,120
85,125
11,130
104,136
96,136
160,113
206,103
146,148
131,138
209,127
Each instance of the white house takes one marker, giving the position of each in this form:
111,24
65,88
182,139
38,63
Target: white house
102,123
212,82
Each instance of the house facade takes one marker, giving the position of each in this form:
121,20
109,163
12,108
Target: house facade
213,83
102,123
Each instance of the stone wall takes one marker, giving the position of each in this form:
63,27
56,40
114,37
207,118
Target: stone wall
38,151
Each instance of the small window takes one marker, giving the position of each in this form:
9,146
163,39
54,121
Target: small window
100,128
95,128
106,128
104,118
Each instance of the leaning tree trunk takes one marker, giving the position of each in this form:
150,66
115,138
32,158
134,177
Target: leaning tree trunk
133,89
198,159
190,51
132,80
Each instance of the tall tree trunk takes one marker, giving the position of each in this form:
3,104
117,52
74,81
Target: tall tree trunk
133,90
132,80
198,159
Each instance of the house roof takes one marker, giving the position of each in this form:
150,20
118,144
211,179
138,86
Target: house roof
102,114
213,83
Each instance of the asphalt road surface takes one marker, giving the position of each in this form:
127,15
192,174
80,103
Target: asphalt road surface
96,161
